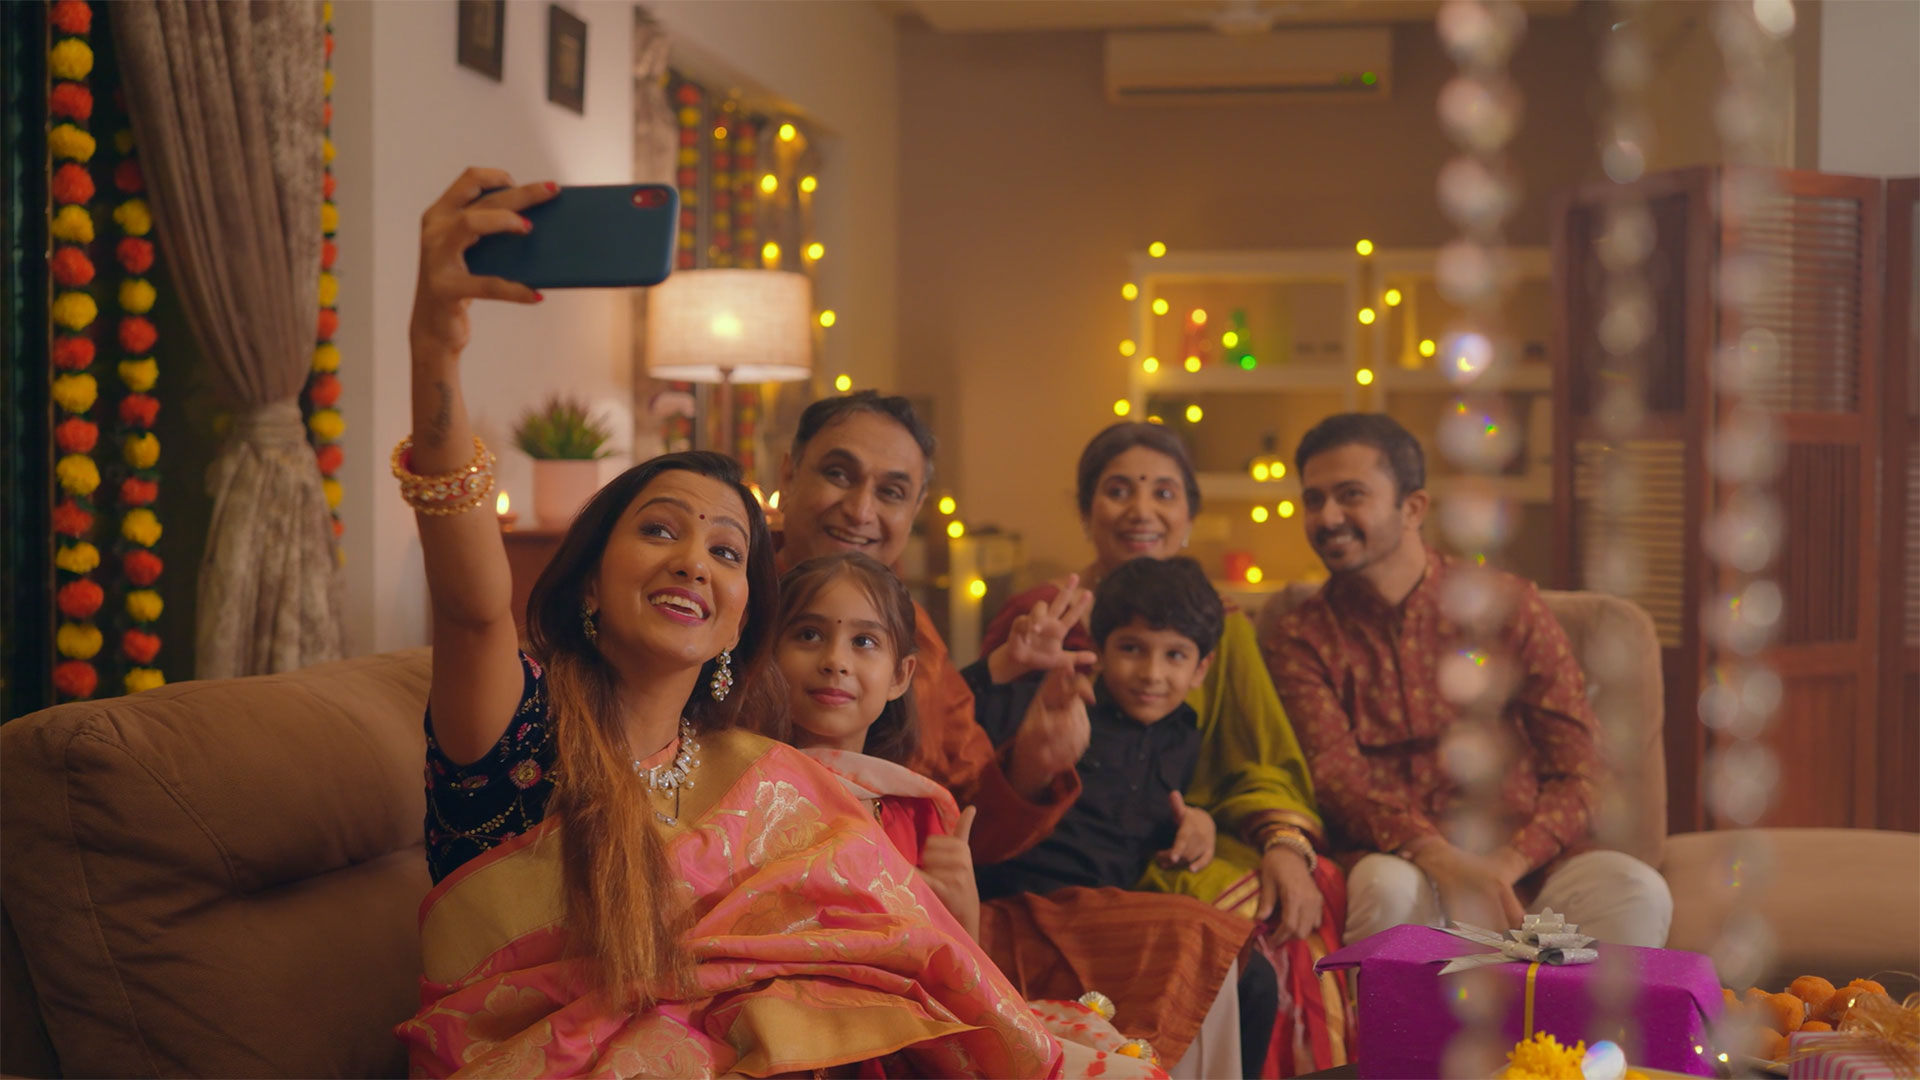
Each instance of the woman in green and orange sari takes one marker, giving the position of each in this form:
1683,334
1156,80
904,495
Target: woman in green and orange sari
627,883
1137,497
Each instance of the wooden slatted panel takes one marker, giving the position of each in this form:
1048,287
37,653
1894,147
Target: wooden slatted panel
1913,546
1812,248
1820,568
1665,358
1657,526
1811,741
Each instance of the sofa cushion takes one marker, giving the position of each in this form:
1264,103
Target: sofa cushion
222,878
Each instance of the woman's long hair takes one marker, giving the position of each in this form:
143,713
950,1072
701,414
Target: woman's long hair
622,915
895,735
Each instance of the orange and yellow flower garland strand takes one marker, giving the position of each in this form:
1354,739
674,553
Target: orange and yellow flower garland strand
74,389
325,425
139,447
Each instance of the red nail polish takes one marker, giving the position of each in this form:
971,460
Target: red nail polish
538,296
551,186
525,225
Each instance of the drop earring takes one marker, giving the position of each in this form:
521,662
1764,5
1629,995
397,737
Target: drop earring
722,682
586,624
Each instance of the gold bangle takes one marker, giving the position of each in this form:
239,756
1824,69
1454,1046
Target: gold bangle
446,493
1293,840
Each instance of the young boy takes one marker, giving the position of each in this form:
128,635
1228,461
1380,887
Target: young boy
1154,622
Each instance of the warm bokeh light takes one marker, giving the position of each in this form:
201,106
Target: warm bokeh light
769,184
1155,420
1122,407
947,505
1260,470
1279,470
1364,247
501,505
1193,363
1286,508
843,383
1427,347
1160,306
719,133
770,252
976,588
1129,291
1194,414
1259,515
1367,316
1127,347
1150,365
816,251
956,530
828,318
1364,376
1254,575
808,184
1199,317
787,132
1392,298
773,501
1156,249
1229,339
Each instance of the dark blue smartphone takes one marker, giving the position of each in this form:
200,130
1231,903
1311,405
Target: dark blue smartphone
592,237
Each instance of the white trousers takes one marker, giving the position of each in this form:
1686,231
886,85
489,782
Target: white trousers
1613,896
1215,1051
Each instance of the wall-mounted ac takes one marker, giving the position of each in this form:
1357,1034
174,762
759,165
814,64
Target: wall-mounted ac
1198,67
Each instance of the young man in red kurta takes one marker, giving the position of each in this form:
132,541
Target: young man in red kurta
1370,670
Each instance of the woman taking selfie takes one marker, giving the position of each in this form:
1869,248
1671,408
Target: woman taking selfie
627,883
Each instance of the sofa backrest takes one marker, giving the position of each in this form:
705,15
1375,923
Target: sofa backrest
1619,650
222,878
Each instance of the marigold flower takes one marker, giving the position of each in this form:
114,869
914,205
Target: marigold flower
326,181
141,451
324,390
329,288
329,324
326,11
326,82
70,101
67,141
329,254
330,457
127,176
75,678
80,558
137,295
76,436
135,254
327,425
140,646
326,357
142,567
133,217
75,310
72,184
77,473
144,678
72,224
72,353
75,393
139,375
70,58
144,605
326,150
333,491
78,641
137,335
339,530
139,410
141,527
137,492
70,520
80,599
329,218
71,17
71,268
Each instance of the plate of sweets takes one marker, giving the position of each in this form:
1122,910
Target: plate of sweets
1810,1003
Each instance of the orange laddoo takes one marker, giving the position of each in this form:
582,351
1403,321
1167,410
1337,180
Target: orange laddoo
1811,989
1867,985
1770,1045
1816,1025
1783,1013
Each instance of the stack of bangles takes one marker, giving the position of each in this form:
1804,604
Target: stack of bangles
455,492
1276,835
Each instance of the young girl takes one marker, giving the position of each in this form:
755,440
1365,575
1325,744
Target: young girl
844,643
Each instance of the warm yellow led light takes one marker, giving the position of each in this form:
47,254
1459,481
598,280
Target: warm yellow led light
956,530
771,252
828,318
808,184
1156,249
947,505
1259,515
1260,471
1364,376
1160,306
1150,365
816,251
1193,363
1392,298
843,383
787,132
769,184
1427,347
1122,407
1367,316
1286,508
1364,247
1254,575
976,588
1127,347
1129,291
1194,414
1199,317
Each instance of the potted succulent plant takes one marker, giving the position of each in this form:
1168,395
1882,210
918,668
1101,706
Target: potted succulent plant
565,442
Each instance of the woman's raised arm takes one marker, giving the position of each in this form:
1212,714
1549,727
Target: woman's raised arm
476,672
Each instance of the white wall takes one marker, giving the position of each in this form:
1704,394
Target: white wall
1870,87
407,119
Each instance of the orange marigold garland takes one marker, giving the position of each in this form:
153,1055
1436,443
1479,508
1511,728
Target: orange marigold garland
140,527
325,426
74,388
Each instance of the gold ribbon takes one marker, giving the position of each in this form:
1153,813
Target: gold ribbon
1533,972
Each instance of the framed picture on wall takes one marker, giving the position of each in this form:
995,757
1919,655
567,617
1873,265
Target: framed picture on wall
566,59
483,37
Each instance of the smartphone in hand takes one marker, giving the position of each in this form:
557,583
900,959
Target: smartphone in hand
589,237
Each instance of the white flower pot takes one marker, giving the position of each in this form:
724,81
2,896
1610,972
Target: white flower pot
561,488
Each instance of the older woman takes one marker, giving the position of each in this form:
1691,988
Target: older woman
1137,497
627,882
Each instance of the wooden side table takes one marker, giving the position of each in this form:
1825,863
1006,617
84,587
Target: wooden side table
528,553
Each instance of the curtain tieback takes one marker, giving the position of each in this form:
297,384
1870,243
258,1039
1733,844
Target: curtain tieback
275,426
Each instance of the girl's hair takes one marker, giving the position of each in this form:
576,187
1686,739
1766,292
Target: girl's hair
895,735
621,912
1117,439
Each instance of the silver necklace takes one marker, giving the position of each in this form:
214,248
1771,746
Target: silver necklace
673,777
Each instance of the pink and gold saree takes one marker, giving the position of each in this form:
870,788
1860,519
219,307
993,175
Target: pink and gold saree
816,946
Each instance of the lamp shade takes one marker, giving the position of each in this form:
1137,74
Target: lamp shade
748,326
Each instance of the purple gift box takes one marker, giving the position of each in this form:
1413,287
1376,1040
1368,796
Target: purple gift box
1822,1054
1406,1019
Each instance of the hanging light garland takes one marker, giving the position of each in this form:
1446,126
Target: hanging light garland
74,389
325,426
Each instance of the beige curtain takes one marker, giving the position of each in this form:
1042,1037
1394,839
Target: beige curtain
226,100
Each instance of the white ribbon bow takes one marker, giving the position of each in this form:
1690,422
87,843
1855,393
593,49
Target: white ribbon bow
1545,938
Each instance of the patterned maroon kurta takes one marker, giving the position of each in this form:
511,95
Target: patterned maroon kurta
1360,680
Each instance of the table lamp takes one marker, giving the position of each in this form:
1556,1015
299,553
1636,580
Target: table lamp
727,326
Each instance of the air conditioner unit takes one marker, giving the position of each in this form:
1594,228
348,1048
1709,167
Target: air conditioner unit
1194,67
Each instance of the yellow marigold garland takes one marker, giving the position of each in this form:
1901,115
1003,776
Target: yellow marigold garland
325,425
73,390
